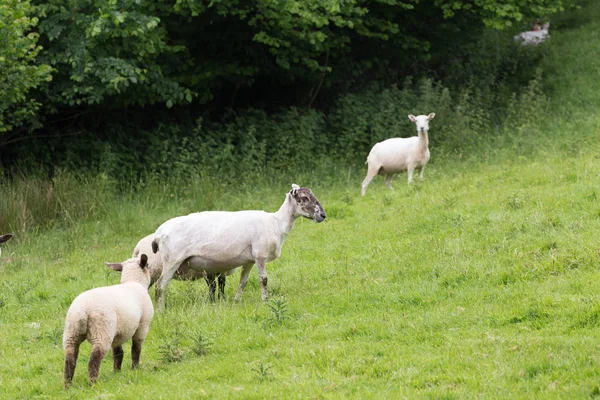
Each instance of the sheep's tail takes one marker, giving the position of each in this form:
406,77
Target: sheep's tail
155,245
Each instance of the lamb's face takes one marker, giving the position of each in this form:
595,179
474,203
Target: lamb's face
307,204
422,122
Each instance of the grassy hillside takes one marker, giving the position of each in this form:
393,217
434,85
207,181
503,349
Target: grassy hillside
480,281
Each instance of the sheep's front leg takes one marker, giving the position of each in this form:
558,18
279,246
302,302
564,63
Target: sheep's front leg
243,280
410,174
261,264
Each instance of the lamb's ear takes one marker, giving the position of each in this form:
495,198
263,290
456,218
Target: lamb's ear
412,118
143,261
432,116
115,266
4,238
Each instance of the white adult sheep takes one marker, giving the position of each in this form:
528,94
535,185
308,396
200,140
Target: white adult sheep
186,272
221,240
400,154
5,238
108,317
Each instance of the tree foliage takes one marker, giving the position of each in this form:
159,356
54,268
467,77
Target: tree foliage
19,72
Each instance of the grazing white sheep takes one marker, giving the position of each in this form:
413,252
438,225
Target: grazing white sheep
108,317
186,271
4,238
400,154
221,240
535,36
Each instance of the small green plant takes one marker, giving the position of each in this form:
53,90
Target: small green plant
201,343
514,201
171,349
263,372
279,311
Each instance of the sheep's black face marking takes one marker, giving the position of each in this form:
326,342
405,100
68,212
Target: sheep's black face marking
4,238
309,204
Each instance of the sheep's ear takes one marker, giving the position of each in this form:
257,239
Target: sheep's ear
115,266
144,261
294,188
4,238
432,116
412,118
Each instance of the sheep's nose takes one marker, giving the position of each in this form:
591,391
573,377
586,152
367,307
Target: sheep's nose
323,215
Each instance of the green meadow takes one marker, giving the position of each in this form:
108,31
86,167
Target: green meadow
481,281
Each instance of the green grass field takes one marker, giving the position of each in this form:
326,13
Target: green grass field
479,282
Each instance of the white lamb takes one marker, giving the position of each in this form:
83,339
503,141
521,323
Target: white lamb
400,154
108,317
535,36
221,240
186,272
4,238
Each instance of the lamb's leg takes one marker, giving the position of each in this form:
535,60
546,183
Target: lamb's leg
222,281
371,173
117,358
421,173
212,286
161,286
136,350
243,280
71,353
388,181
98,353
261,264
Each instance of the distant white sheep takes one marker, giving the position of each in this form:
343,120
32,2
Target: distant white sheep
186,271
108,317
400,154
221,240
535,36
4,238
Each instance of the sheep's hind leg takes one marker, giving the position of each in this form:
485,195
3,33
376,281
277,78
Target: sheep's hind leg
71,354
371,173
212,286
161,286
136,350
98,353
117,358
222,281
243,281
388,181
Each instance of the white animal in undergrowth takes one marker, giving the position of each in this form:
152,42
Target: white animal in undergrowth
186,271
4,238
108,317
221,240
400,154
535,36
